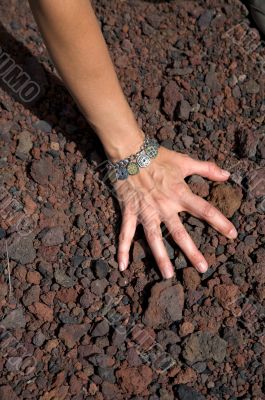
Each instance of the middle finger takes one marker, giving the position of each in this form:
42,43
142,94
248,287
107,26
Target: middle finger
155,241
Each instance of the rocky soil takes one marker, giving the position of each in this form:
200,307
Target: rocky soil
73,326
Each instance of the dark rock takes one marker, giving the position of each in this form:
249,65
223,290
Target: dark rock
183,110
212,81
45,269
261,147
169,248
256,182
15,25
247,142
101,360
203,346
32,295
66,318
139,250
199,186
14,320
165,304
98,286
7,393
185,392
200,366
24,145
63,279
52,236
80,221
171,96
236,92
166,337
152,91
22,250
44,172
2,233
85,351
71,334
110,391
187,141
38,339
87,299
78,260
205,19
180,261
168,144
107,374
252,87
101,269
42,125
119,335
101,329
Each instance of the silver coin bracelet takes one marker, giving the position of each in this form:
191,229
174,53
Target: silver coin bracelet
131,165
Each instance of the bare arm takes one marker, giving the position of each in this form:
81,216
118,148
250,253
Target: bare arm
73,37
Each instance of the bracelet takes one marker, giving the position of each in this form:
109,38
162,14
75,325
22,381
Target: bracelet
131,165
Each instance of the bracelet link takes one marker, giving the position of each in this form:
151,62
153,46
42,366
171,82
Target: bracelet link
131,165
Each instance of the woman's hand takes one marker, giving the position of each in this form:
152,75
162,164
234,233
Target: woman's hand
157,194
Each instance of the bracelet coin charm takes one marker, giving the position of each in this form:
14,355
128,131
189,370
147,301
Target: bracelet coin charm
122,173
151,151
143,159
132,168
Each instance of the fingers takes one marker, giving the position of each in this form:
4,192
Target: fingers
154,238
201,208
128,227
207,169
185,242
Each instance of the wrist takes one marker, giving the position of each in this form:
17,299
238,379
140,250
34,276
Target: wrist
129,143
122,142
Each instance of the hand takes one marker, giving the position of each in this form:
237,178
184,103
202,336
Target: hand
157,194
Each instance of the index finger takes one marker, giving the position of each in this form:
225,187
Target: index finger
155,241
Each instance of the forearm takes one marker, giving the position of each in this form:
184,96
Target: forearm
74,40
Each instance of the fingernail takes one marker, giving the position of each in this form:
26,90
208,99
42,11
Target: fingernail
122,266
202,266
233,233
167,274
225,173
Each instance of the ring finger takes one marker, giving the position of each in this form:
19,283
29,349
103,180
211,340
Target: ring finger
185,242
201,208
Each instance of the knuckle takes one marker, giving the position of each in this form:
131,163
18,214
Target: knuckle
150,218
181,189
212,167
162,262
179,234
195,256
184,156
160,200
122,237
208,211
130,208
153,233
229,227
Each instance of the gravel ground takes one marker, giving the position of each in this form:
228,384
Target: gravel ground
73,326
